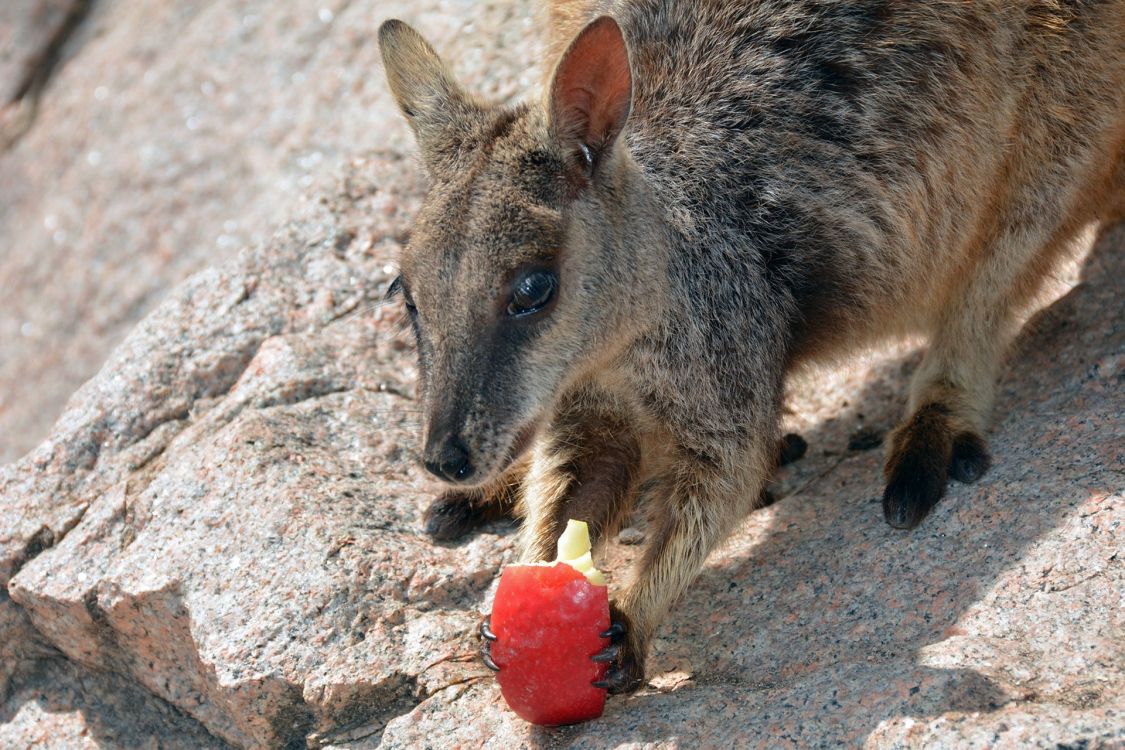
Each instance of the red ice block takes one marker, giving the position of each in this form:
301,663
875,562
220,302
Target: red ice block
547,619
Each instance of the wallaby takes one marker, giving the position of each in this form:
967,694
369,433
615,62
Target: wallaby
608,288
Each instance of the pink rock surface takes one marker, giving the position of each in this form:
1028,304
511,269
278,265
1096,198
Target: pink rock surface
218,543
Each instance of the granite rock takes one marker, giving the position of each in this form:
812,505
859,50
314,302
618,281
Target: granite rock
22,648
285,359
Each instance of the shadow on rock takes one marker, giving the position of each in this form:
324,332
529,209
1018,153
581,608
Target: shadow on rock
60,703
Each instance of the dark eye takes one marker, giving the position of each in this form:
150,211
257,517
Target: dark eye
532,293
398,287
407,300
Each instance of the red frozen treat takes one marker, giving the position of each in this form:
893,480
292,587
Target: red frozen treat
547,620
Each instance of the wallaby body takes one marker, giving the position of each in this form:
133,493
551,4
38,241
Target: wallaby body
609,288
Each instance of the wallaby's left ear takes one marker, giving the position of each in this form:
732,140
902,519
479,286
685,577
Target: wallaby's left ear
591,95
435,106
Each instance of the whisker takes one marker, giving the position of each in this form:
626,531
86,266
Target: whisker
365,309
394,411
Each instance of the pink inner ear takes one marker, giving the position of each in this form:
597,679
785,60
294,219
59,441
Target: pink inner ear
593,85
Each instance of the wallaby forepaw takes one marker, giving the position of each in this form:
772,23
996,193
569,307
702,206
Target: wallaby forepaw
970,458
451,516
626,665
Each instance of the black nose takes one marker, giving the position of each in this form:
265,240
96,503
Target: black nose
448,459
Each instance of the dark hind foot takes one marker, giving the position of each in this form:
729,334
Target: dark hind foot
917,467
454,514
924,452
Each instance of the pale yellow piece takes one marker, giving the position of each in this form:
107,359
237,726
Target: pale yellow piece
574,550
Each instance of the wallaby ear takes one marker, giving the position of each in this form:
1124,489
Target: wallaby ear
591,95
434,105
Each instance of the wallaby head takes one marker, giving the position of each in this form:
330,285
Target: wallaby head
514,276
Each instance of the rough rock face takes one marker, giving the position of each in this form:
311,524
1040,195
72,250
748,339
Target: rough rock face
218,544
172,134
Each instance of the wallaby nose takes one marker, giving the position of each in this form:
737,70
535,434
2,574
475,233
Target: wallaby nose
448,459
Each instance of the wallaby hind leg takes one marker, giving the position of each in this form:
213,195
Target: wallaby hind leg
455,513
952,391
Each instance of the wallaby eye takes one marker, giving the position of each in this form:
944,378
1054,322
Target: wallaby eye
409,302
532,293
397,287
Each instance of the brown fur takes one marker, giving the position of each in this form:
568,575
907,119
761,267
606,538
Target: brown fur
725,191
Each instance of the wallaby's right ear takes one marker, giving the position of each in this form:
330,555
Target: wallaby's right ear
435,106
591,96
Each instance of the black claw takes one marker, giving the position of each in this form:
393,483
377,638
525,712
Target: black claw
616,630
485,630
964,471
618,681
607,654
907,501
625,670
